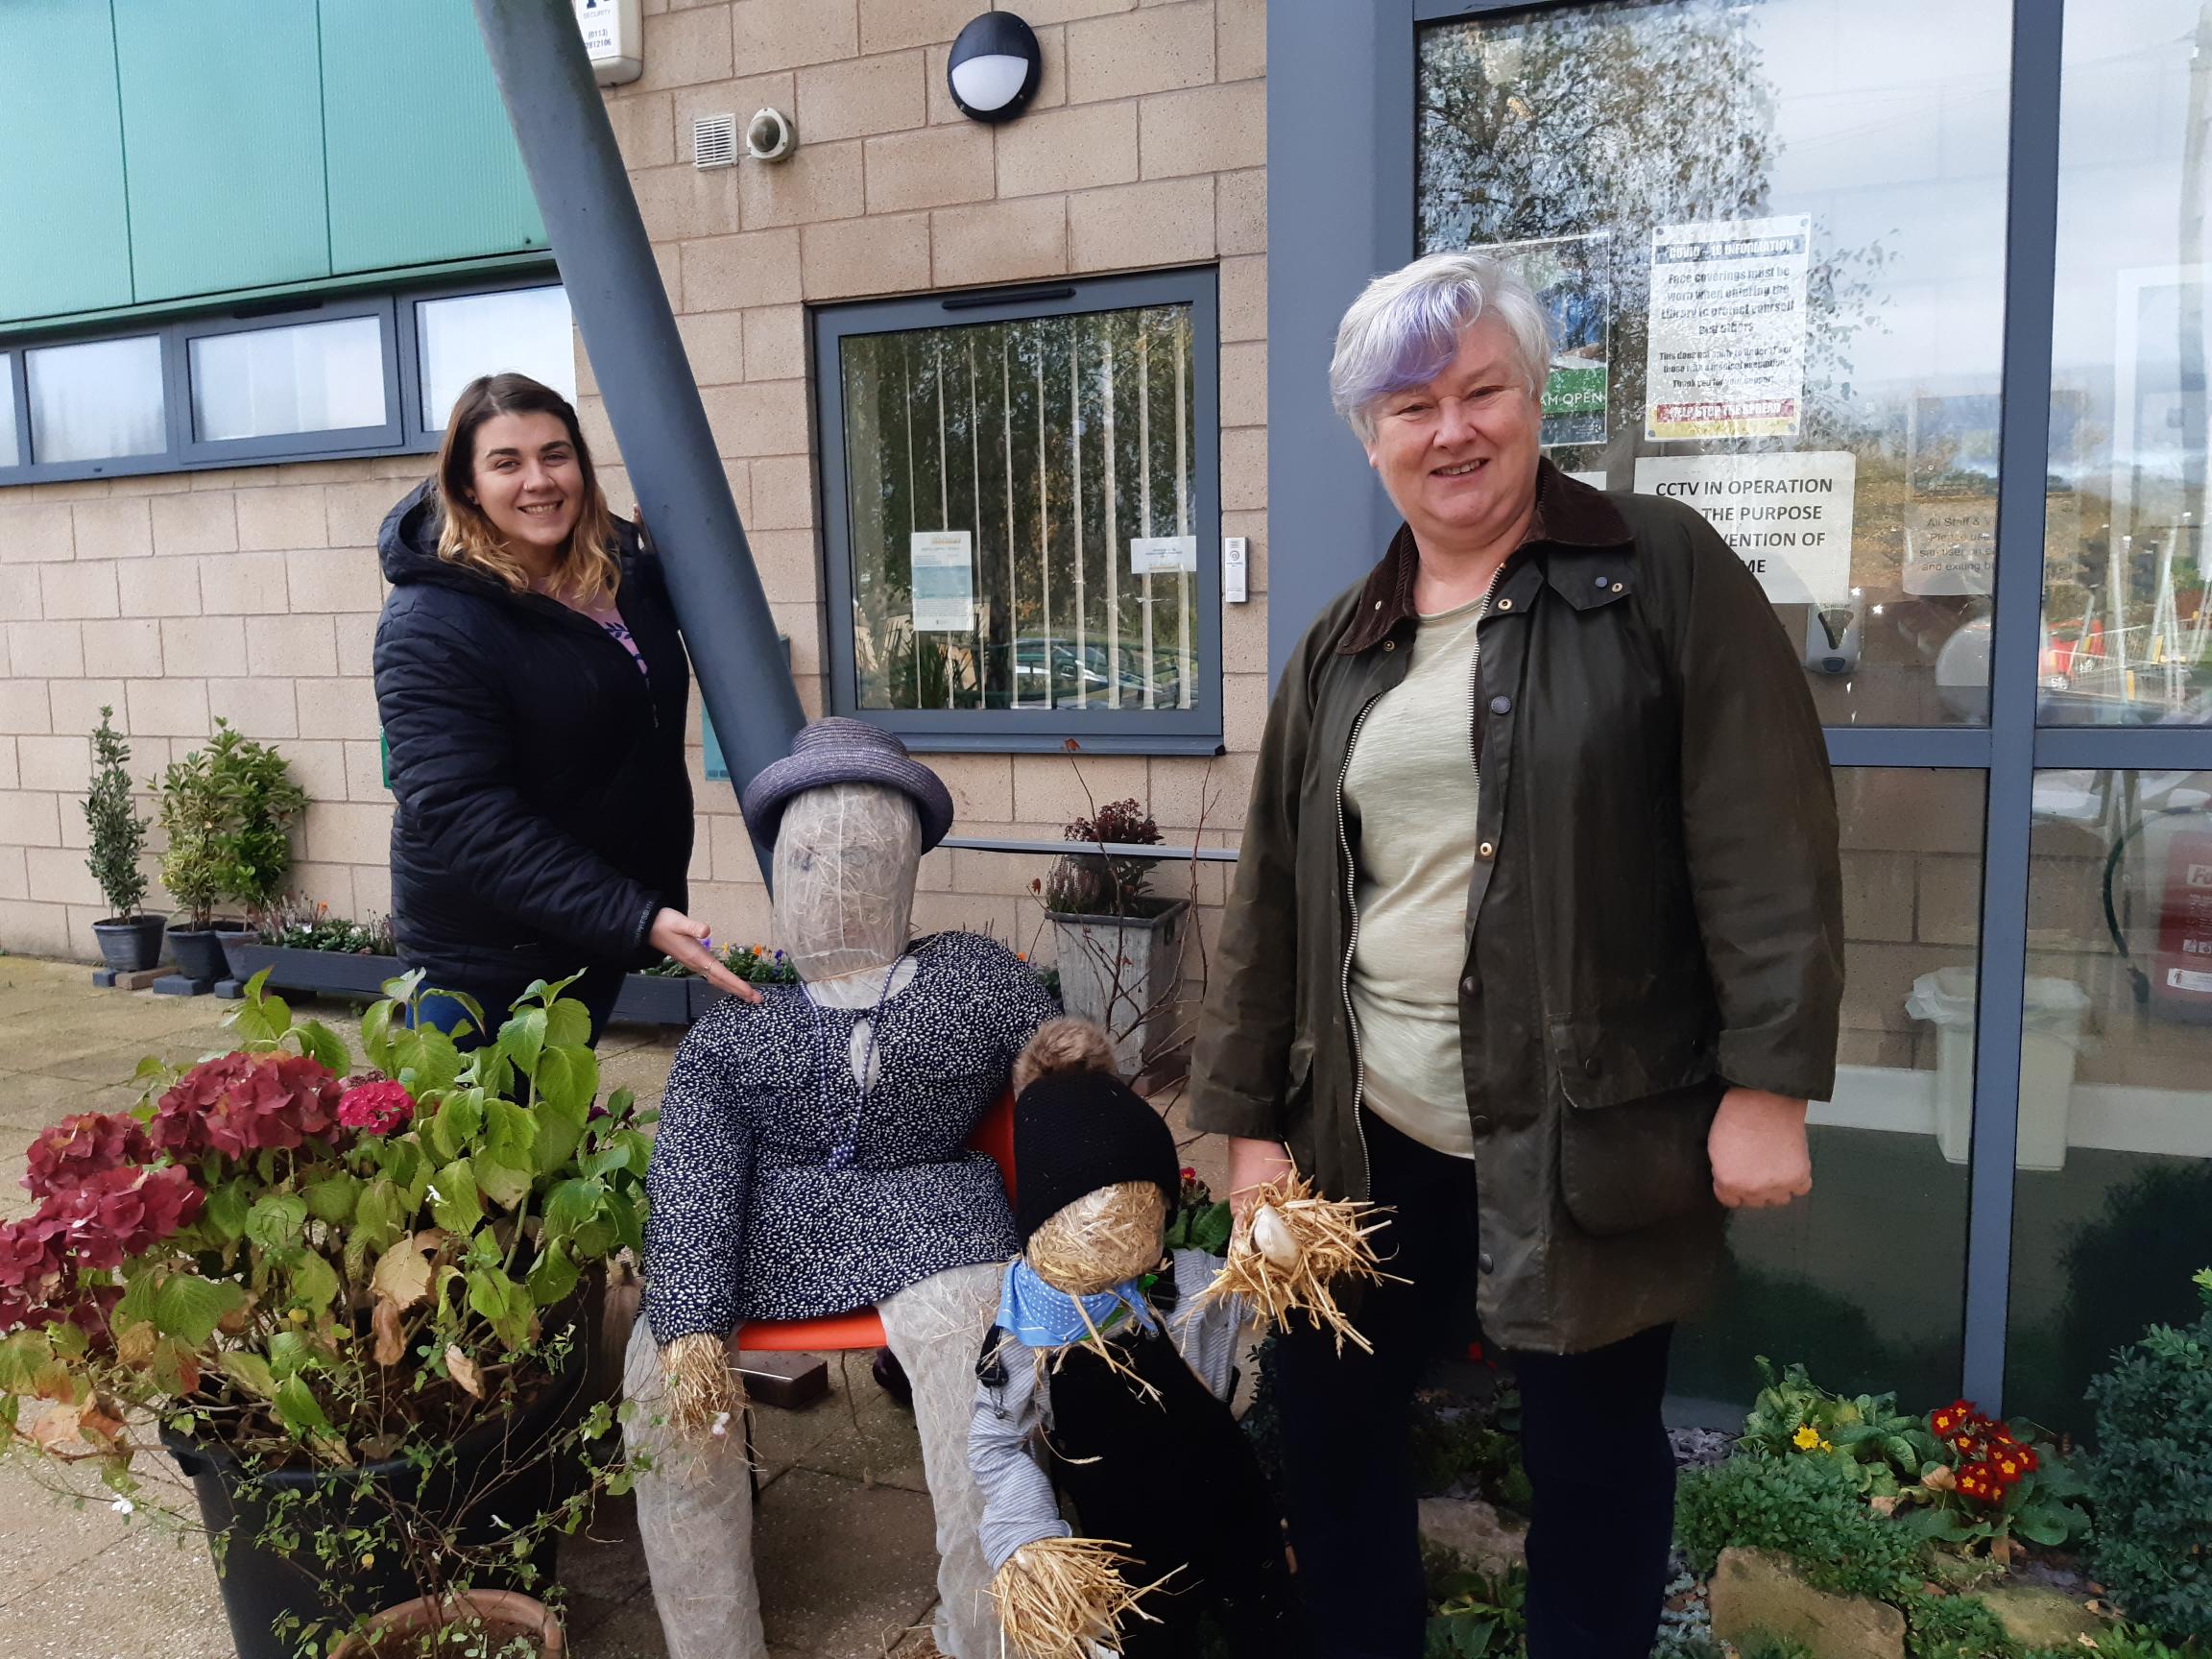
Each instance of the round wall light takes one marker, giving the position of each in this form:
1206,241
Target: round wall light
995,67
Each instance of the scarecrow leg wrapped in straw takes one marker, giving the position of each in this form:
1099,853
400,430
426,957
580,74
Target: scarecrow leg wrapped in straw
1065,1598
1296,1246
702,1391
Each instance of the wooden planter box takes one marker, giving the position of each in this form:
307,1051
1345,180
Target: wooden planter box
655,999
326,972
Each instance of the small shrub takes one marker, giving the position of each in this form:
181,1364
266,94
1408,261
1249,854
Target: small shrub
1806,1508
2153,1477
261,803
1096,884
191,809
1793,1417
118,834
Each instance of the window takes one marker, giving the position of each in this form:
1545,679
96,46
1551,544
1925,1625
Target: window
523,329
1023,514
96,401
344,375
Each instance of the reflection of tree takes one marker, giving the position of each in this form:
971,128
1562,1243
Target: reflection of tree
1051,442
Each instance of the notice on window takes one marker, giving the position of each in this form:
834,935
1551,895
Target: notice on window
1951,546
944,581
1159,555
1726,351
1787,516
1567,273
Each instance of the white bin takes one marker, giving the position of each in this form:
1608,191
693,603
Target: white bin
2050,1041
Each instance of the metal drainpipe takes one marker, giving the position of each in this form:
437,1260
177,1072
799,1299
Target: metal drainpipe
614,285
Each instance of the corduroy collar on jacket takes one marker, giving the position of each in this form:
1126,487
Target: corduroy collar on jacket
1568,514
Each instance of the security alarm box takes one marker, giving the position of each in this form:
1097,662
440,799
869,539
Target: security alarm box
612,39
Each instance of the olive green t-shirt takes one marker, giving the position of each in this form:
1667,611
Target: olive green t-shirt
1413,782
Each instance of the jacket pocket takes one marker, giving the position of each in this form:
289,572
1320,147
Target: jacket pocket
1638,1095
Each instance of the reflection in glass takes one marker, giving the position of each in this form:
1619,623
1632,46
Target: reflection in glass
2113,1193
312,377
96,401
10,454
2127,635
522,330
1021,500
1862,1280
1772,231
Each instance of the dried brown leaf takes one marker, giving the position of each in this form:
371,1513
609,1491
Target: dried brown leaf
385,1322
463,1371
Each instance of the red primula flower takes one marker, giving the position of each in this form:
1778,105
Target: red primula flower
76,1148
377,1108
240,1103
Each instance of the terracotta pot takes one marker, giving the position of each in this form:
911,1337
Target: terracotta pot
506,1615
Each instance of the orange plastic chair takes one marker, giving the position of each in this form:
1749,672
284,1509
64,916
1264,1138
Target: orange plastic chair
863,1328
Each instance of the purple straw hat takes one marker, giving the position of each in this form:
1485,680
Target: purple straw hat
840,751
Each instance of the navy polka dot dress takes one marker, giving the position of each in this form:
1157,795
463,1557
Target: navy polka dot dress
750,1219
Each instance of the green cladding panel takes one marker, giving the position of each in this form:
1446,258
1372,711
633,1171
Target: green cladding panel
223,142
423,167
64,233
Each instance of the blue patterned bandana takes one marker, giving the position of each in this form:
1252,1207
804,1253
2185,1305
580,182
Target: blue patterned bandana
1038,1317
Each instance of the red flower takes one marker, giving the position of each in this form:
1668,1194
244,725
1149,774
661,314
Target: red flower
240,1103
377,1108
87,1145
112,1218
1188,1174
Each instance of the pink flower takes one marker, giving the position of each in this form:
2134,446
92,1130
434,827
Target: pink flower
107,1221
80,1147
377,1108
240,1103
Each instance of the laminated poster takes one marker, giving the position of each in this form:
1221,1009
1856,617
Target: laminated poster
1787,516
944,581
1725,347
1568,274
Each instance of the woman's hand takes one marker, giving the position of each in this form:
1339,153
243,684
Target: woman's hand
1252,1165
1757,1144
676,936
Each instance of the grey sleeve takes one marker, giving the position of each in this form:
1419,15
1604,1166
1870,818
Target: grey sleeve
1206,1337
1017,1504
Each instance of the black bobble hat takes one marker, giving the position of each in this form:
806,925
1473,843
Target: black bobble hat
1075,1132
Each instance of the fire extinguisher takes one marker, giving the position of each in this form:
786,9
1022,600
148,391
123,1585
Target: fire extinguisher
2177,983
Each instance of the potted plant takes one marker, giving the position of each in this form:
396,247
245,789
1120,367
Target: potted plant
656,995
304,947
129,942
190,807
1118,943
355,1306
256,843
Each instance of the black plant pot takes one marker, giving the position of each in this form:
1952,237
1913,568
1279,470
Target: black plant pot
259,1586
199,951
653,999
129,944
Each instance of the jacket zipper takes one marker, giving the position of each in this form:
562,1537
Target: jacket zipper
1352,946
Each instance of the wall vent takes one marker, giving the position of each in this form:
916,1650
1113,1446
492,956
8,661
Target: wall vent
714,141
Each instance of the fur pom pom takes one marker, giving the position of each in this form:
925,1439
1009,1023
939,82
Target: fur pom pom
1063,1045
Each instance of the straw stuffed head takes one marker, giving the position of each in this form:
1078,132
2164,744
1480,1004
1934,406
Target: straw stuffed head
1098,1168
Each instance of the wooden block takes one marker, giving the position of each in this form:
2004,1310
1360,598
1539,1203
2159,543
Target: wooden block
136,980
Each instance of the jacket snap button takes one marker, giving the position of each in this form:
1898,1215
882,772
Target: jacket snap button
1505,604
1485,1262
1487,849
1468,985
1592,1066
1480,1124
1500,705
1600,581
1389,644
1378,604
1616,587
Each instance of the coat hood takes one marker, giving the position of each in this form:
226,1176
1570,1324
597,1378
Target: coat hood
407,547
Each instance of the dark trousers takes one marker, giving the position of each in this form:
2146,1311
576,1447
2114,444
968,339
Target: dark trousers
1593,1443
596,990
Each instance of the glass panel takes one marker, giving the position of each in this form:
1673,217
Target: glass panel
2113,1194
1772,238
10,454
524,330
97,402
314,378
1021,499
1872,1305
2127,635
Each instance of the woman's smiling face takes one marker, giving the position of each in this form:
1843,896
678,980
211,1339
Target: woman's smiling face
1457,455
527,480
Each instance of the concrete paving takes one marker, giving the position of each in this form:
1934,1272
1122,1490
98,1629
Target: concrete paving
843,1535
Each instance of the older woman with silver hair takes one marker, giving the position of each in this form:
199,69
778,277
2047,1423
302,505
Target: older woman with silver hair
1537,942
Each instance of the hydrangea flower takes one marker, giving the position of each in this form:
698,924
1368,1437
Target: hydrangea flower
377,1108
79,1147
241,1103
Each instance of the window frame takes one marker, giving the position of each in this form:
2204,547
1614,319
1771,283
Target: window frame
1194,731
402,433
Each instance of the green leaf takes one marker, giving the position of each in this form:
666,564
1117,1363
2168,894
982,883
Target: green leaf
250,1371
332,1198
324,1046
1210,1229
570,1208
291,1353
277,1221
137,1305
523,1040
505,1184
552,1276
456,1204
226,1209
314,1282
459,1121
376,1214
189,1307
402,988
502,1304
297,1406
568,1026
428,1063
509,1132
376,1035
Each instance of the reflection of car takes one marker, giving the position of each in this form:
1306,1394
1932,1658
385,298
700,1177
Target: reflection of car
1086,672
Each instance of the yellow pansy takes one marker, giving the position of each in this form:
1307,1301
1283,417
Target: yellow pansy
1806,1438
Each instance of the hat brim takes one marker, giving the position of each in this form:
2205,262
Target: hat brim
773,786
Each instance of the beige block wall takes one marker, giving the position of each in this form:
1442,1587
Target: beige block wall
252,593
